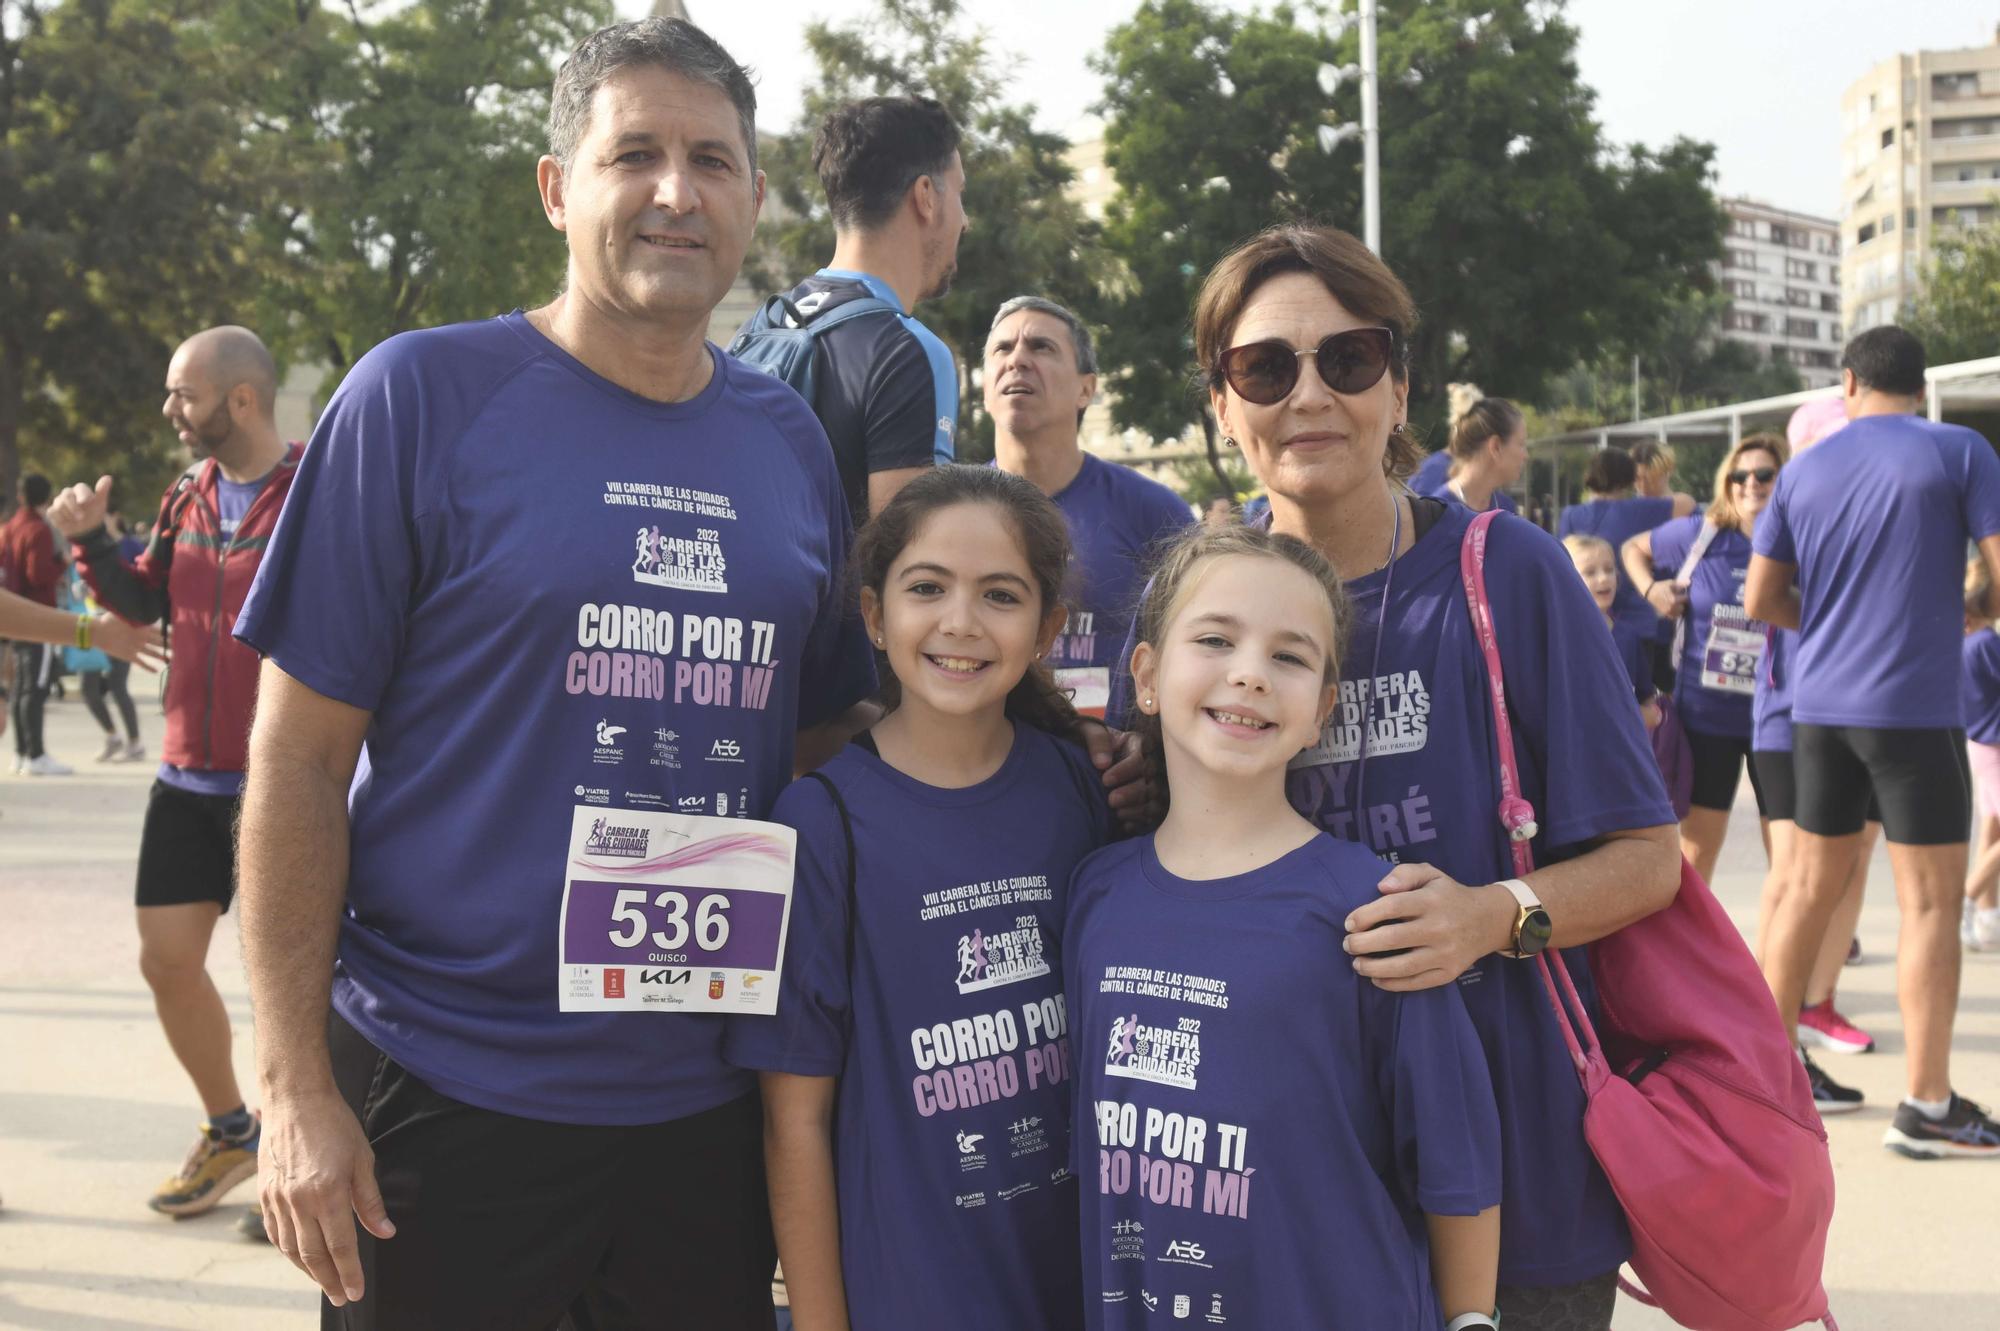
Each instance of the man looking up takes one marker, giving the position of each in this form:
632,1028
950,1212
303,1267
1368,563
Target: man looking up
31,567
214,521
1873,522
1040,374
886,388
561,573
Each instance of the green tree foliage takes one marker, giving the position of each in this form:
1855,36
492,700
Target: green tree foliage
1958,314
1525,239
1025,236
122,207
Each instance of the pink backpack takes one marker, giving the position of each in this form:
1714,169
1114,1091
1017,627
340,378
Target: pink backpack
1696,1107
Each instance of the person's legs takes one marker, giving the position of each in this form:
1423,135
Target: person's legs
1928,889
1982,884
173,957
1781,835
93,702
1846,916
1832,807
33,670
1718,767
117,684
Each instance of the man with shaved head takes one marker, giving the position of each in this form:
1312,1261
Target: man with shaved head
213,524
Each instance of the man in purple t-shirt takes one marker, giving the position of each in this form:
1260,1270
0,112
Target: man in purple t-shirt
1873,523
1041,373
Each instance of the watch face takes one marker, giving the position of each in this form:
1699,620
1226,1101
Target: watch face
1534,932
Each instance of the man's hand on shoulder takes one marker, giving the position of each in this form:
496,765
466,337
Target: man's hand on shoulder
80,508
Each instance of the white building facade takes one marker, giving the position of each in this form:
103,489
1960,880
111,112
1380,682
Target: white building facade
1781,272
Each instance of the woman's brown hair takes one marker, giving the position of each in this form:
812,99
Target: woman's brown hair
1722,507
1361,282
1174,577
1475,418
1044,537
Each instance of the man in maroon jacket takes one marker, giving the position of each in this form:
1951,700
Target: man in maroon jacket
31,566
213,524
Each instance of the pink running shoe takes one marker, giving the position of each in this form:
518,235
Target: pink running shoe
1820,1027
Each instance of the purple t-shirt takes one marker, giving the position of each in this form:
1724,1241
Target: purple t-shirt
1260,1130
1876,518
1980,689
554,596
1433,479
949,1034
232,501
1618,521
1637,654
1723,647
1432,789
1771,706
1117,520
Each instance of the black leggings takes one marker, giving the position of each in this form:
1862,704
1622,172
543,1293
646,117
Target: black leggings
97,684
34,668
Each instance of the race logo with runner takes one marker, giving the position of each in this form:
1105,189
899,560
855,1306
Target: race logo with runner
987,961
624,843
689,564
1153,1053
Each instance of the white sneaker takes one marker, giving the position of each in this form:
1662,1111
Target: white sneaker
113,746
134,752
1968,937
47,766
1985,926
20,765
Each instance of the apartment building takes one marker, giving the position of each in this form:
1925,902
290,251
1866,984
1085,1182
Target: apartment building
1920,153
1781,271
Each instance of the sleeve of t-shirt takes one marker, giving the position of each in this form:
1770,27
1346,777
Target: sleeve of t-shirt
1166,517
1440,1098
1772,535
1671,543
1568,693
1982,489
331,598
807,1035
838,669
911,415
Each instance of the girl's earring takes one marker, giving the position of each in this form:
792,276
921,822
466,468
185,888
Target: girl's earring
1146,703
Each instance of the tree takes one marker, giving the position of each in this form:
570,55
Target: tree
122,209
1026,235
1958,314
1526,241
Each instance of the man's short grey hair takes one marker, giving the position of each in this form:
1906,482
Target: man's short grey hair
1079,336
672,44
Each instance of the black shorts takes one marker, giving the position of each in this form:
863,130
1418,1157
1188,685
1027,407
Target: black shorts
1718,767
511,1224
187,851
1920,777
1773,771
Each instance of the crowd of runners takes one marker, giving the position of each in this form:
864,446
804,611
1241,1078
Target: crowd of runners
1137,939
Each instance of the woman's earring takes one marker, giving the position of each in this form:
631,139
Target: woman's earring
1228,442
879,642
1146,703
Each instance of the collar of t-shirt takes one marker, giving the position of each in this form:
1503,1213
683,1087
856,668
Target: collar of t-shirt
233,500
877,288
1425,513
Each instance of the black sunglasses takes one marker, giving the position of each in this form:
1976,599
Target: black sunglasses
1266,372
1764,475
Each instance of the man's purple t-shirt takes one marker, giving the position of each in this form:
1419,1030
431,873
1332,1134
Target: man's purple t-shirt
232,501
1260,1130
949,1033
1771,706
1722,649
553,595
1618,521
1876,518
1117,520
1980,689
1432,791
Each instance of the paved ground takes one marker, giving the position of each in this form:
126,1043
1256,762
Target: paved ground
94,1111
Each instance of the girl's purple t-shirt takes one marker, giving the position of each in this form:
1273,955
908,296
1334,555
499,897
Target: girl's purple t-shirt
1260,1130
1980,687
1429,791
949,1035
1721,652
1618,521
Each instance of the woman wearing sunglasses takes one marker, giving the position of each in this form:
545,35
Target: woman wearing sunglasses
1304,337
1692,569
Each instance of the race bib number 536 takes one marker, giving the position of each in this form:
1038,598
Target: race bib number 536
670,912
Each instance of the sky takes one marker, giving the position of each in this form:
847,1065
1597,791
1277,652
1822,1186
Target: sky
1761,79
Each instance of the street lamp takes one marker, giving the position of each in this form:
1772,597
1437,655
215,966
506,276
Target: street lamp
1330,78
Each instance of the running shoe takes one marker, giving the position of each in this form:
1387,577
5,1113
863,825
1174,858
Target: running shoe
1979,929
134,752
214,1166
47,766
113,746
1820,1027
251,1224
1829,1096
1966,1131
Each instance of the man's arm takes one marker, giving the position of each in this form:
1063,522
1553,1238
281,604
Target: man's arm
138,594
805,1212
317,1169
1771,594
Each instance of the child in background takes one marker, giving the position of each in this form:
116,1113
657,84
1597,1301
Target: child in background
1265,1137
1596,564
915,1075
1980,692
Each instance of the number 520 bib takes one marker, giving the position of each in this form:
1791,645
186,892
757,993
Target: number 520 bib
669,912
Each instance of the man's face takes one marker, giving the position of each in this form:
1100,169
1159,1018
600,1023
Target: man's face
1031,383
948,229
659,200
196,406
